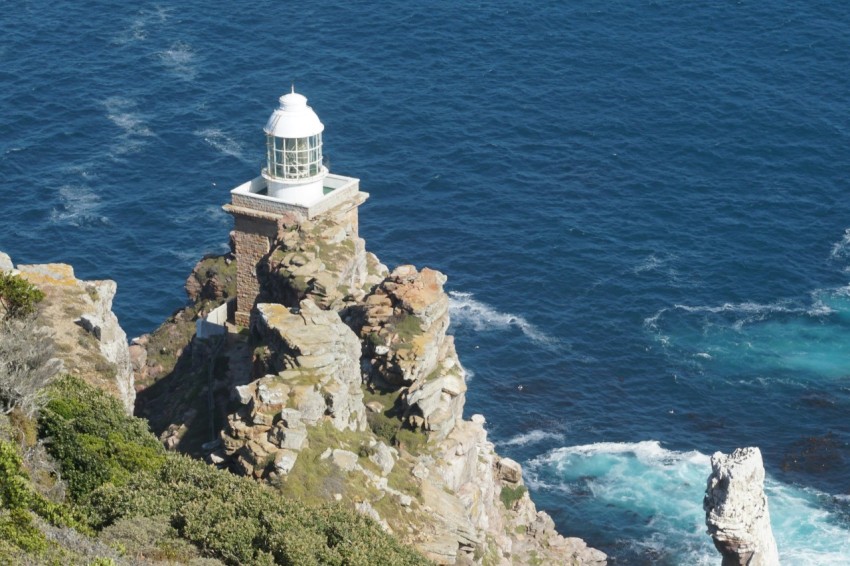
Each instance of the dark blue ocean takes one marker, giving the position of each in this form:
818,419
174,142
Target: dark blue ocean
642,208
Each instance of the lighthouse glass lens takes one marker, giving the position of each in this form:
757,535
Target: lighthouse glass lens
294,158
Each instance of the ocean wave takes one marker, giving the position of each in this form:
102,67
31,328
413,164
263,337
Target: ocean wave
533,437
744,308
649,451
466,310
222,143
180,59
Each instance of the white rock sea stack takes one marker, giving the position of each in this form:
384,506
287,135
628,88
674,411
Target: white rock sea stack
736,510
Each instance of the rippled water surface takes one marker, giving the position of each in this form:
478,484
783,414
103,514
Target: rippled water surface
642,209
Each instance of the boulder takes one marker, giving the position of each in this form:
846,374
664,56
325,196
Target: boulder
385,457
6,264
509,470
284,461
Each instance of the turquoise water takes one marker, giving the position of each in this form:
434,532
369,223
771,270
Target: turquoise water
642,210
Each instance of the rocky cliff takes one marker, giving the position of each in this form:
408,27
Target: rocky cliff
736,510
347,387
85,332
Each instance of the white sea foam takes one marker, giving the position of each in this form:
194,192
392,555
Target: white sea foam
138,29
651,263
124,113
223,143
466,310
841,247
651,322
532,437
743,308
180,59
79,206
663,488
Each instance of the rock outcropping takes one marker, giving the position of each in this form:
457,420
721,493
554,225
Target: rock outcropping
736,510
321,259
418,468
315,360
86,333
404,333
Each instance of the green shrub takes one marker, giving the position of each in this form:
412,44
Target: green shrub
16,527
93,439
242,522
150,537
18,297
510,495
16,491
392,432
18,499
383,426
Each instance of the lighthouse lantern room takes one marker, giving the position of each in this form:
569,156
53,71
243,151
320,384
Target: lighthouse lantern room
294,169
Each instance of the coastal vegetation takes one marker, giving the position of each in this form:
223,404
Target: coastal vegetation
128,501
18,297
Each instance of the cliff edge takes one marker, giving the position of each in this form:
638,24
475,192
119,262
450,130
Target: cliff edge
86,335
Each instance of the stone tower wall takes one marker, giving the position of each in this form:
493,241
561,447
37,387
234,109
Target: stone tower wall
253,238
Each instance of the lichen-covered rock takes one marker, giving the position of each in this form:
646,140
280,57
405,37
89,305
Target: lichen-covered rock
441,486
467,468
322,259
89,339
315,360
736,510
318,356
404,325
384,457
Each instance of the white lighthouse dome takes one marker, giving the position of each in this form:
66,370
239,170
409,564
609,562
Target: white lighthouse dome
293,119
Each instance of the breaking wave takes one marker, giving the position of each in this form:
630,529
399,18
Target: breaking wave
466,310
532,437
657,493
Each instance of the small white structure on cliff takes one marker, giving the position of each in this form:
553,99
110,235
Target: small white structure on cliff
293,184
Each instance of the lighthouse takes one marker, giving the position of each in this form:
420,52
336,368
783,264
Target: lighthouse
293,186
